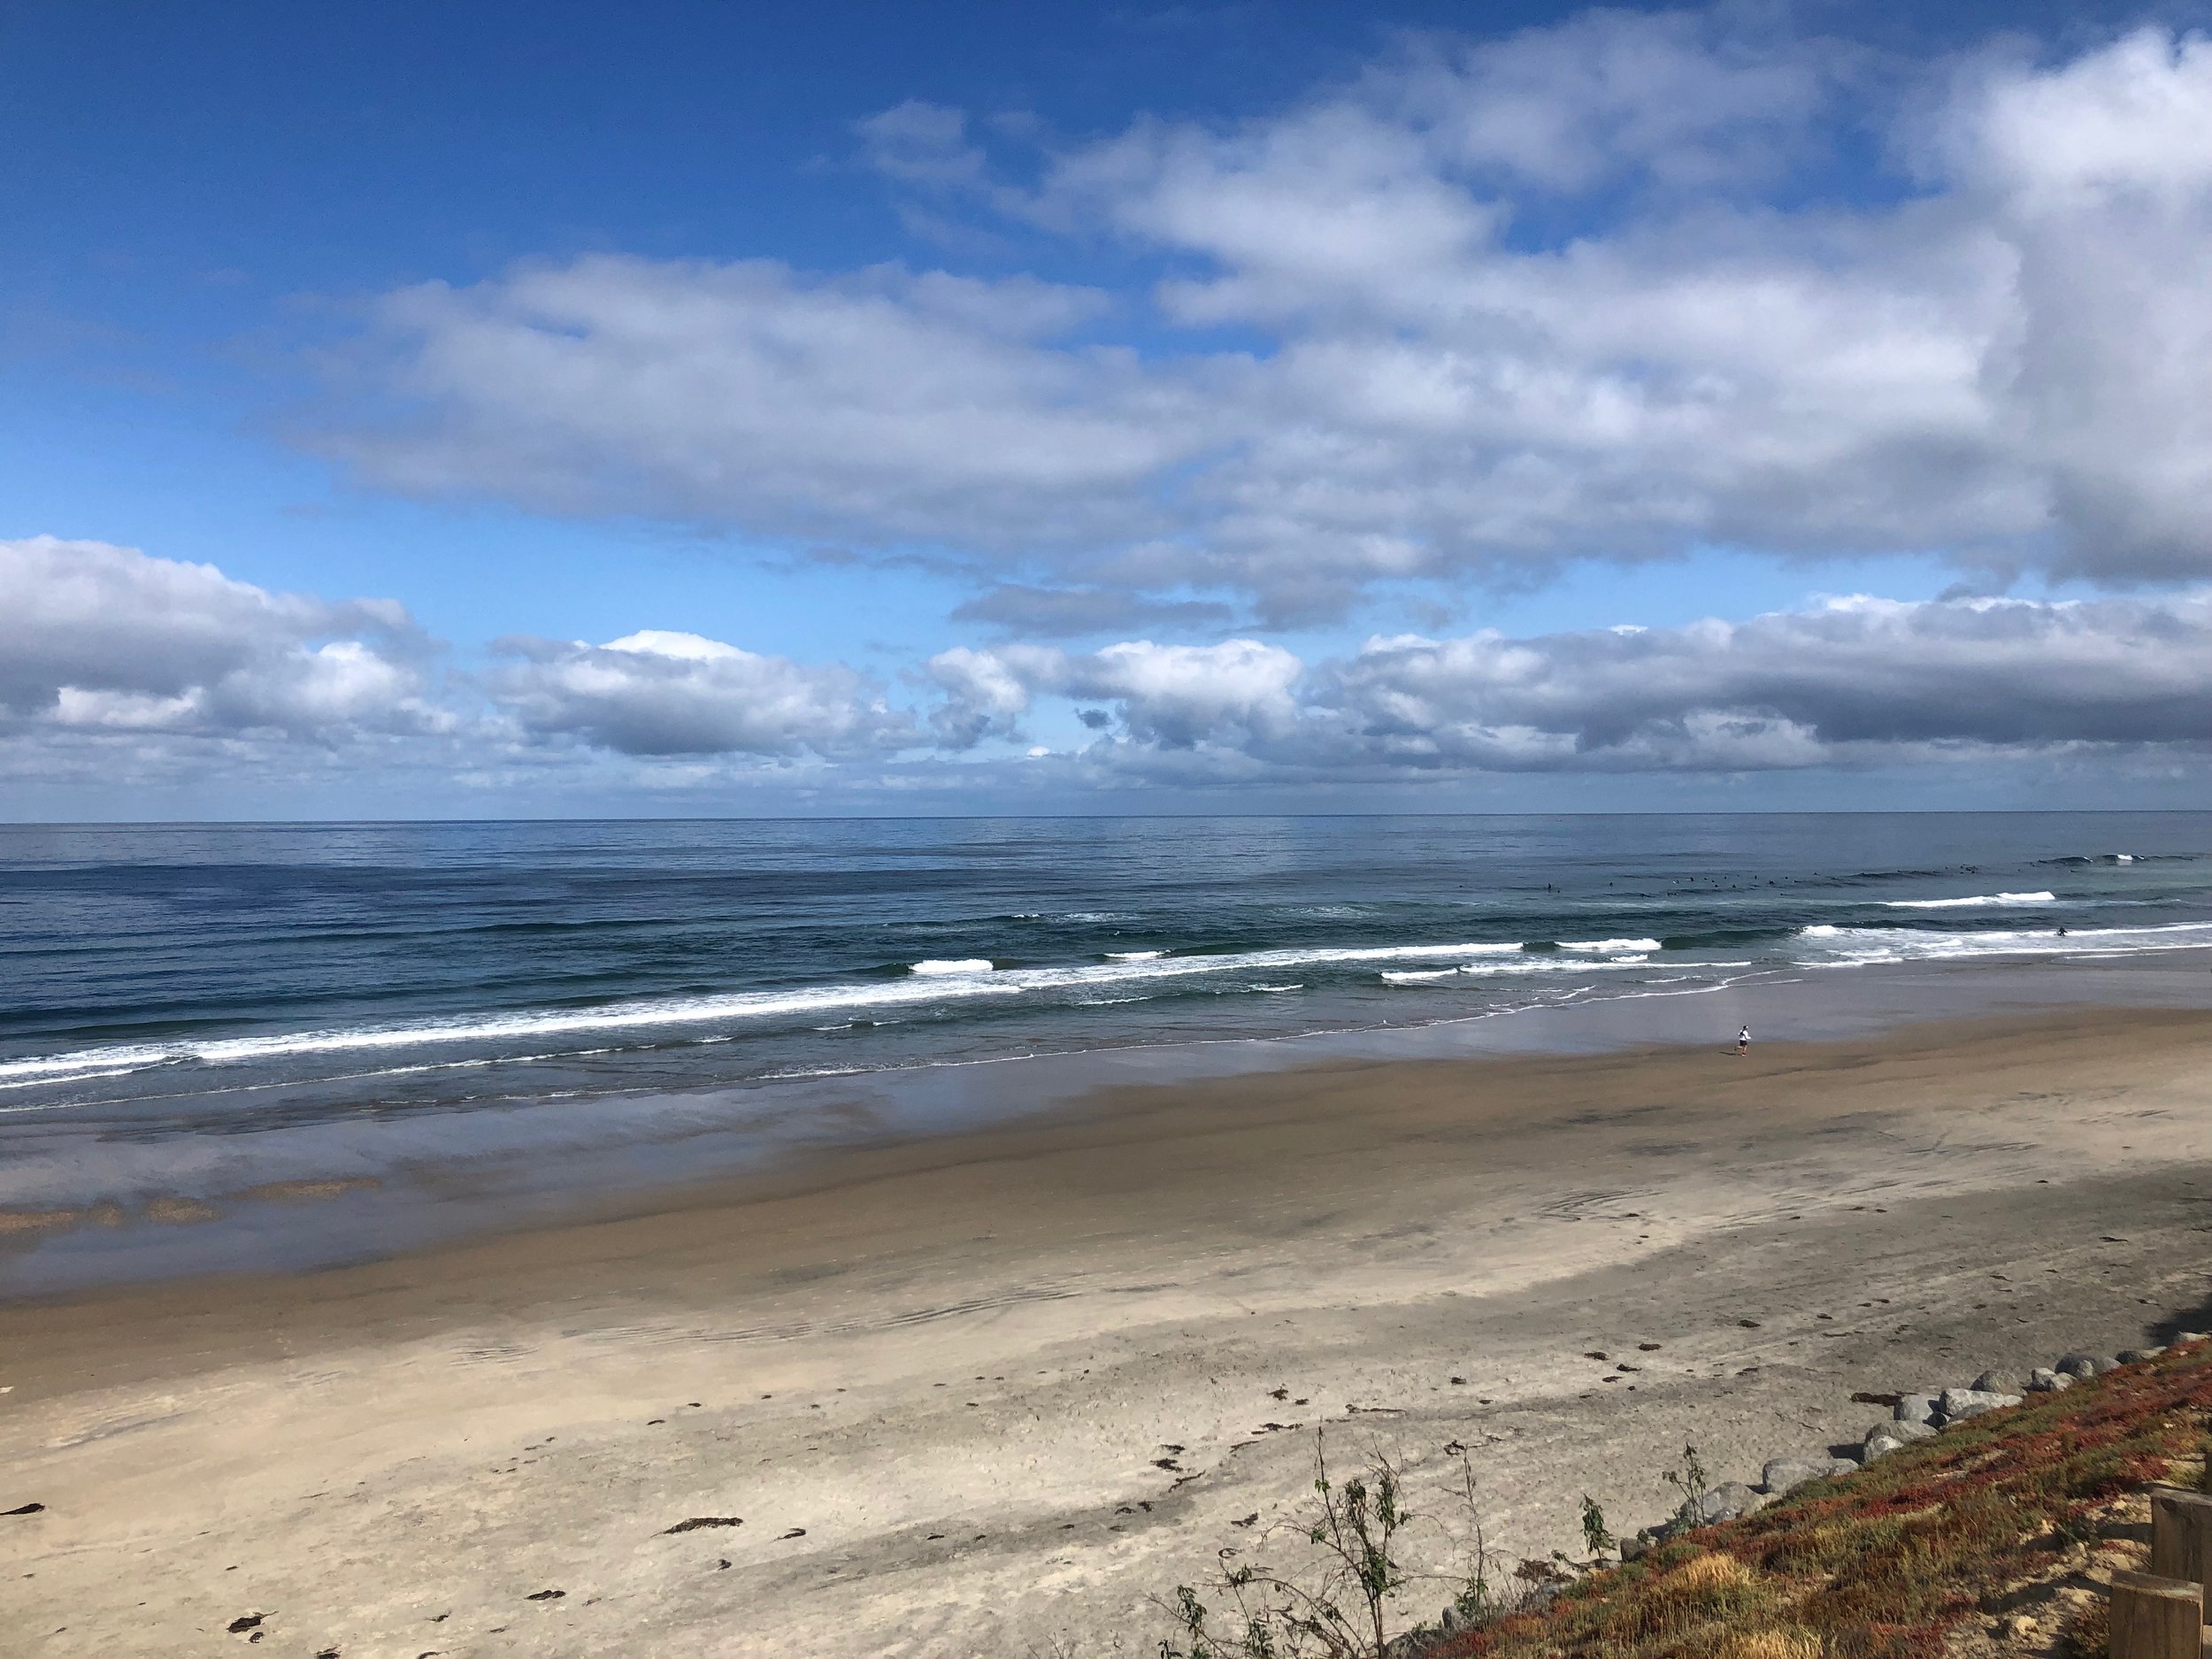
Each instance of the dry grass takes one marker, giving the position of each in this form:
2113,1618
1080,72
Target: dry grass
1771,1644
1710,1575
1892,1563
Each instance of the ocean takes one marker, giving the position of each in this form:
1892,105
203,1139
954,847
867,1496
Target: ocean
191,1010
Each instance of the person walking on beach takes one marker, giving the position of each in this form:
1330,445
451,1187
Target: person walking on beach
1743,1040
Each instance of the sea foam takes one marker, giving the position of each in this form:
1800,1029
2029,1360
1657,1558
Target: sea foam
1975,900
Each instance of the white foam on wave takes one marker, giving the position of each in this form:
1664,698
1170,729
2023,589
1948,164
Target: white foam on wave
1976,900
939,981
1573,964
1611,945
1134,955
1529,964
932,981
1862,946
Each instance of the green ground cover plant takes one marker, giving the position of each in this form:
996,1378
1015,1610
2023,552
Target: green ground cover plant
1899,1560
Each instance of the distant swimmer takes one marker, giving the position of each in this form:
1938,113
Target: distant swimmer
1743,1041
2061,932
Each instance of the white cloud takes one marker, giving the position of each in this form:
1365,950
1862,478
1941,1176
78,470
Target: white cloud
120,669
1586,292
2098,177
1674,96
885,406
671,693
922,143
1172,696
1859,681
102,639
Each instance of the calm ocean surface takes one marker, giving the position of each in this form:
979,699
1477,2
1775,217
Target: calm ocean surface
168,990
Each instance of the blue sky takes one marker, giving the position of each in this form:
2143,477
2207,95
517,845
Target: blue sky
879,408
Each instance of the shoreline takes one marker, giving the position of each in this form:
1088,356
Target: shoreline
90,1203
953,1364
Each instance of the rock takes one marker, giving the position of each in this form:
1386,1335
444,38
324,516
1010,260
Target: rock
1957,1404
2192,1336
1880,1443
1726,1501
2044,1380
2137,1356
1915,1408
1787,1474
1908,1431
1637,1548
1989,1383
2084,1365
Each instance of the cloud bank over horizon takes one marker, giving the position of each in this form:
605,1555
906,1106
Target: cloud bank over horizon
1587,292
111,654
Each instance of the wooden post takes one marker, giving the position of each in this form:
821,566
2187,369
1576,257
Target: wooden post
2155,1618
2181,1534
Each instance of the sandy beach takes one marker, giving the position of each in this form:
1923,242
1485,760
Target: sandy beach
988,1394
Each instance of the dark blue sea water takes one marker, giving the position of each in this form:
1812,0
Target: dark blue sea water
393,967
175,1000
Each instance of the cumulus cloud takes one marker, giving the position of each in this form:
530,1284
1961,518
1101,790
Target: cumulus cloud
95,638
1172,696
659,693
1589,291
1857,681
2098,177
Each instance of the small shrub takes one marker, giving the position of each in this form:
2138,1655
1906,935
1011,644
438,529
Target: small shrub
1595,1537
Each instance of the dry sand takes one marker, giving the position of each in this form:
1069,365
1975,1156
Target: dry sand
987,1394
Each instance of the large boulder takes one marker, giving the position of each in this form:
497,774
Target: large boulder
1989,1383
2080,1365
2137,1356
1914,1409
1908,1431
2044,1380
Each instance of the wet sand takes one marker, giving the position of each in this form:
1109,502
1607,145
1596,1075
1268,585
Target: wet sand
986,1394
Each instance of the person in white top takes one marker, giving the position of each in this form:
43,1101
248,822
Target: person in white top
1743,1041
